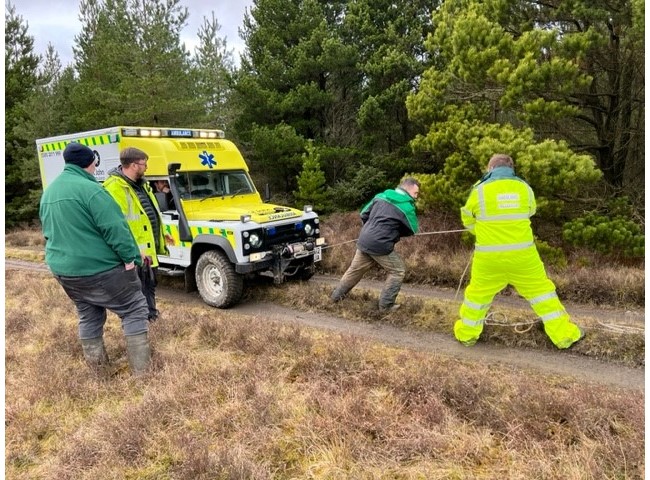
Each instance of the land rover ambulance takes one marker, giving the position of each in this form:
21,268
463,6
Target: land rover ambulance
222,229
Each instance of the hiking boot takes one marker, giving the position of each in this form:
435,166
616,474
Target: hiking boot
392,308
336,296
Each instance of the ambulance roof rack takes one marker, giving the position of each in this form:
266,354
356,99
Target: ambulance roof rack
171,132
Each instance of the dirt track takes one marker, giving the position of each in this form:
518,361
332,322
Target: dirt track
553,362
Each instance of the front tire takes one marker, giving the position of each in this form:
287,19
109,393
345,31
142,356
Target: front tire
218,283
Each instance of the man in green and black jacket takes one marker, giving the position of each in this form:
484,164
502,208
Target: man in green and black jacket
386,218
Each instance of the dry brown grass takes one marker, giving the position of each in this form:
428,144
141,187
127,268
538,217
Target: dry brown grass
25,237
235,397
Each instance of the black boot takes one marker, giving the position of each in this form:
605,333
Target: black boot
95,354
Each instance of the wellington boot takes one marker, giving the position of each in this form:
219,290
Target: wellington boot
139,352
95,354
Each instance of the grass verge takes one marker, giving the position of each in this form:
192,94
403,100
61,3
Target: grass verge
243,397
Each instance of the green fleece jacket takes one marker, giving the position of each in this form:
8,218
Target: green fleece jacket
84,229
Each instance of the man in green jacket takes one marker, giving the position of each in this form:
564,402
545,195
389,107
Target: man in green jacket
498,213
92,254
129,188
386,218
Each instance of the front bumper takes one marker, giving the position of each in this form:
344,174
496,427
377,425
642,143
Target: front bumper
283,257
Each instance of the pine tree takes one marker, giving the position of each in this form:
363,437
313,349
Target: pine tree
312,189
132,66
214,69
21,80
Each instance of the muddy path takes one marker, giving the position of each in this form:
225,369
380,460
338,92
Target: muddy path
557,363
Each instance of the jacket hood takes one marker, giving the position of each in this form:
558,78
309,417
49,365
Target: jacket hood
403,201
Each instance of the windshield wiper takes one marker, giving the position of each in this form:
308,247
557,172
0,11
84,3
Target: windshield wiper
241,190
212,195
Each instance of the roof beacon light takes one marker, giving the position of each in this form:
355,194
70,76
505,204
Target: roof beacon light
308,209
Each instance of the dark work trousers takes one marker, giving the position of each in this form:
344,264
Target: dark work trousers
148,280
117,290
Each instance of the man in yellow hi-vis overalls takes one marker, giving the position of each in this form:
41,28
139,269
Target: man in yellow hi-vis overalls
498,213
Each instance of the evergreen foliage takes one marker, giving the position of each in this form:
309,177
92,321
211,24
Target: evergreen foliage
382,88
312,189
612,230
131,66
337,72
278,154
359,189
553,67
214,67
21,81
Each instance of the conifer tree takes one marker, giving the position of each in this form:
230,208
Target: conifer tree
312,188
214,67
21,80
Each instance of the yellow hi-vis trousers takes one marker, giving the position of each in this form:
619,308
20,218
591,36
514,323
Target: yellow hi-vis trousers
524,270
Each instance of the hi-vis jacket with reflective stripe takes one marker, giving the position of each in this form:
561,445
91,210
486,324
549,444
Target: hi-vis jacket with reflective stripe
498,212
136,217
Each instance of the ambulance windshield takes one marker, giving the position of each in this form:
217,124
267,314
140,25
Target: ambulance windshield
200,185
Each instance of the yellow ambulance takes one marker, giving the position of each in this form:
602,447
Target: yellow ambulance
222,228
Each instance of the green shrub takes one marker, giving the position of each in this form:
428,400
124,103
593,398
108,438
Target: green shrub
551,255
610,236
353,193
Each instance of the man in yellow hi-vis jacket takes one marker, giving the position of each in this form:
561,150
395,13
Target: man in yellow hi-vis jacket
130,189
498,213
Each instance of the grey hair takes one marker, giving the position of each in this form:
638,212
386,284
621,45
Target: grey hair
409,182
500,160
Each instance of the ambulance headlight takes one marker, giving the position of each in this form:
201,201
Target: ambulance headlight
255,240
309,229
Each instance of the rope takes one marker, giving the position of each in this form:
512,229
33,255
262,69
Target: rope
339,244
620,328
519,327
491,319
439,232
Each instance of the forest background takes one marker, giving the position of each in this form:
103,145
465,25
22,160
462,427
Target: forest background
332,101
